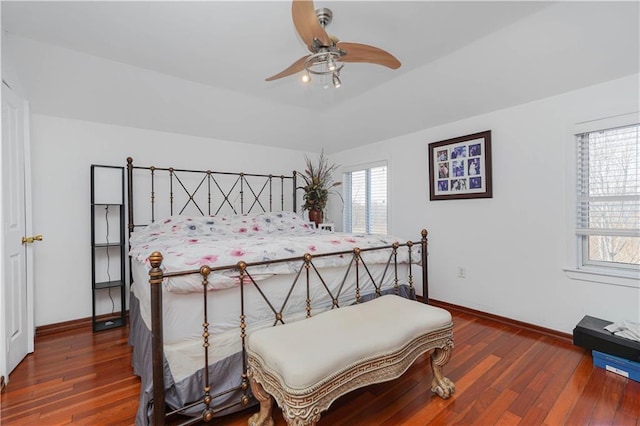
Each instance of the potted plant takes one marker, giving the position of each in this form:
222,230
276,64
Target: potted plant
318,179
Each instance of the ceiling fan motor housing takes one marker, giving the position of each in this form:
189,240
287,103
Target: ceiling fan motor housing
325,16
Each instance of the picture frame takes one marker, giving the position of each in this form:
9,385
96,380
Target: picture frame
460,168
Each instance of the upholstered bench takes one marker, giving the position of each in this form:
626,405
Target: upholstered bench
306,365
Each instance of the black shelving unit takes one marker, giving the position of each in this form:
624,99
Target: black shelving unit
107,247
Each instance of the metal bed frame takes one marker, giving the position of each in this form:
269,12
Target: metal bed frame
260,199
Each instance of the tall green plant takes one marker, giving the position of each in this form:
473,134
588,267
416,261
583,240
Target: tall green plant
318,179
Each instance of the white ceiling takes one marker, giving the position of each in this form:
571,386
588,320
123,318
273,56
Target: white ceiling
198,68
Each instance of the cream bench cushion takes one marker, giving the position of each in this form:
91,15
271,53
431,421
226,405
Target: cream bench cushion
308,364
307,352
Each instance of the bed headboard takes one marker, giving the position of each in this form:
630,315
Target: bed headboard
157,192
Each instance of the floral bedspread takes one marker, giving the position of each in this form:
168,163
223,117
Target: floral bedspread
188,243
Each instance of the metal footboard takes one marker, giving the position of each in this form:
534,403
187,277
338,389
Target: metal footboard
306,274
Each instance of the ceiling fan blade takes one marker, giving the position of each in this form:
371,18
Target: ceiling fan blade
357,52
292,69
307,24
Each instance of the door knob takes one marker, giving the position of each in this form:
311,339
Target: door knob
31,239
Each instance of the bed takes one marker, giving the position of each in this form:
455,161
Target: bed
222,254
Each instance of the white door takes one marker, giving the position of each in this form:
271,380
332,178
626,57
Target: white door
18,313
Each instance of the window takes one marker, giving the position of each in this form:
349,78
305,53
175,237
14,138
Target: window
365,196
608,199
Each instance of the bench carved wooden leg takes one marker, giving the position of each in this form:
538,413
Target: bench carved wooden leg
441,385
263,417
307,416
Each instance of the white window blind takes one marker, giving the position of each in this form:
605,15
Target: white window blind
608,198
365,195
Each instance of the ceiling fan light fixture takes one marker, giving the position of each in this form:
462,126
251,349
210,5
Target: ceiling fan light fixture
325,64
336,80
331,64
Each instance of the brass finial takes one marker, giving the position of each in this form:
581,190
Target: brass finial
155,259
207,415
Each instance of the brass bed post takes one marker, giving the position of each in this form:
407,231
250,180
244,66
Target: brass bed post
207,414
425,279
242,267
157,341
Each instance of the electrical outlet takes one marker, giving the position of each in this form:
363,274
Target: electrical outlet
462,272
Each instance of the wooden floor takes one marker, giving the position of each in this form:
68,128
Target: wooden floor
503,375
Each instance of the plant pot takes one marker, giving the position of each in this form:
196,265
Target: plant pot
315,216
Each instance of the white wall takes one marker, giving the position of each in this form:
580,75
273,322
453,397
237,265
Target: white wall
515,245
62,152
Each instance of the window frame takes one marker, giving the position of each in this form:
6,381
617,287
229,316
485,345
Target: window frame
347,200
580,267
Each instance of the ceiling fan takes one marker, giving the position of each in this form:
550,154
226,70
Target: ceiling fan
327,53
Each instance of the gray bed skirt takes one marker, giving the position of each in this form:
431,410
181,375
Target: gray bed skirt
225,374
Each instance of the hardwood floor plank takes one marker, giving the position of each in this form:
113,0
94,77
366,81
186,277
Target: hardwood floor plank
374,399
494,412
415,398
534,416
118,412
631,400
504,375
477,407
508,419
586,404
570,394
523,403
67,401
610,399
428,414
514,376
560,368
623,420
